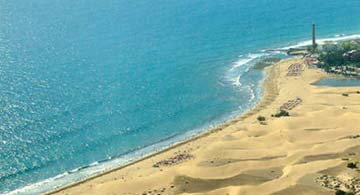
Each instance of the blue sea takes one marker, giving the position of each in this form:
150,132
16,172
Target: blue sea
88,85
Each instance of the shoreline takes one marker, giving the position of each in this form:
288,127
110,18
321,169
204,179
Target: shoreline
245,156
205,130
267,97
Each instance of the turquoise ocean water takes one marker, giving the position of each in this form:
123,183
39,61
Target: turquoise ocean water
88,85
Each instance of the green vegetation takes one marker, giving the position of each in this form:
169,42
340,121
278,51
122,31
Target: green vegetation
281,114
343,54
261,118
351,165
340,192
348,46
354,136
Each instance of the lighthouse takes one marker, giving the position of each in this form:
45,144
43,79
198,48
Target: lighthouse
313,36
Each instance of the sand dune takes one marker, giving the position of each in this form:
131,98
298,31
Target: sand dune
298,154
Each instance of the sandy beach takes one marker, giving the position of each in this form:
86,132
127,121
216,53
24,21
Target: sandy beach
307,152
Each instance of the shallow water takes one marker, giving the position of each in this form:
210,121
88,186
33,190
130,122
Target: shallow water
87,85
338,82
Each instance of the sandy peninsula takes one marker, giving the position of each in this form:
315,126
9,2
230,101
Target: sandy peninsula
315,150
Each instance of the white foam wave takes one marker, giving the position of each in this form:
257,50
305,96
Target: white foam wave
94,163
238,67
340,37
236,81
98,167
245,60
252,94
36,188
